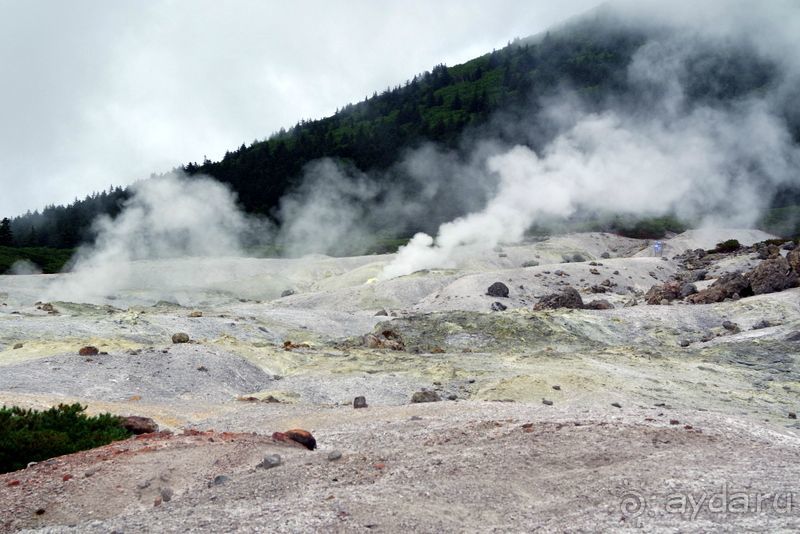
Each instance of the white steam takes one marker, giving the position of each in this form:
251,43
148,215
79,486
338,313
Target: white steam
167,217
718,163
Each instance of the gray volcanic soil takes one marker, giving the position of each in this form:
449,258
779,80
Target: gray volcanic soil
646,404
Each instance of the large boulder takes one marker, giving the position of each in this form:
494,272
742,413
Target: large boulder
727,286
667,291
498,289
568,298
772,275
138,425
793,257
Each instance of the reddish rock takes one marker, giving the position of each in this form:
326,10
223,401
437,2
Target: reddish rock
88,351
66,477
668,291
12,483
303,437
731,285
139,425
568,298
772,275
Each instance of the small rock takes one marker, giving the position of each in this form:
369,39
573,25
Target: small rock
180,337
219,480
530,263
730,326
557,387
762,324
360,402
547,402
40,511
166,494
12,483
600,304
674,422
415,418
425,396
270,461
334,455
196,314
616,405
499,306
498,289
684,343
792,415
452,397
605,255
287,293
91,472
88,351
381,313
18,346
203,368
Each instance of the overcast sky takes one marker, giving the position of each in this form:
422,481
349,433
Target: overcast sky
95,93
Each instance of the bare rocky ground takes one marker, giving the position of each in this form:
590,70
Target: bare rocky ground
668,418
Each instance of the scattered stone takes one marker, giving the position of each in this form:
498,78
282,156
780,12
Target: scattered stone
726,286
166,494
687,289
415,418
731,326
598,289
605,255
289,345
219,480
772,275
452,397
498,289
88,351
18,346
40,511
499,306
594,271
195,314
360,402
203,369
684,343
668,291
91,472
287,293
600,304
425,396
270,461
567,298
557,387
180,337
12,483
674,422
616,405
387,339
547,402
792,415
139,425
762,324
334,455
48,308
381,313
530,263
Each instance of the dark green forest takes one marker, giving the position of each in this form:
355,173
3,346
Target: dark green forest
448,106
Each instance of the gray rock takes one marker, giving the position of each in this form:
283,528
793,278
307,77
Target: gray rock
219,480
762,324
138,425
688,289
530,263
166,494
616,405
287,293
270,461
547,402
334,455
180,337
360,402
498,289
425,396
568,298
730,326
499,306
605,255
684,343
381,313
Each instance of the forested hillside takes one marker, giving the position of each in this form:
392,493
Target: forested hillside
588,57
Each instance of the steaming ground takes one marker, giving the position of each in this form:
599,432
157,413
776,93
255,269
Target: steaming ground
687,418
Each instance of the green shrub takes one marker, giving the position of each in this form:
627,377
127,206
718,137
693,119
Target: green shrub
727,246
32,436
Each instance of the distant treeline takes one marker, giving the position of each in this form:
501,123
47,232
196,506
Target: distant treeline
486,96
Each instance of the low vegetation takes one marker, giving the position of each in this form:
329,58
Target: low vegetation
48,260
32,436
